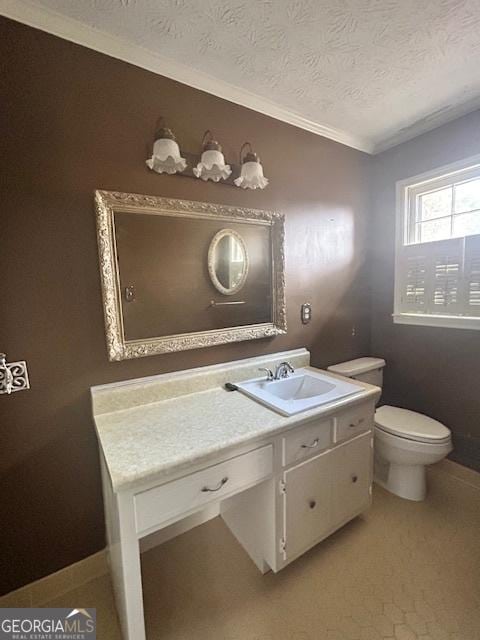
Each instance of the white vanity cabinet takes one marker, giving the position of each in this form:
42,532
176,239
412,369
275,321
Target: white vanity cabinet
190,493
306,504
280,491
351,478
322,479
322,493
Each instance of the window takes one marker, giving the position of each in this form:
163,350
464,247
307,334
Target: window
437,272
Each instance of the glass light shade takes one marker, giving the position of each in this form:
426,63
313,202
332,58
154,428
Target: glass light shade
251,176
166,157
212,166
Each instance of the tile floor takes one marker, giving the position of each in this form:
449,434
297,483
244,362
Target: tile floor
404,571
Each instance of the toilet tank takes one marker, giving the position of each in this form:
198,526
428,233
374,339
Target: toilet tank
368,370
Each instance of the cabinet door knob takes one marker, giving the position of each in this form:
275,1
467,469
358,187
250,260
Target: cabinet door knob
312,504
354,478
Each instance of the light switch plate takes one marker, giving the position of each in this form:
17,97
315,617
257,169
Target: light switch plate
306,312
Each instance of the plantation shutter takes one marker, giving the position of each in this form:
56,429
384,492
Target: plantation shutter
447,273
414,282
440,278
472,276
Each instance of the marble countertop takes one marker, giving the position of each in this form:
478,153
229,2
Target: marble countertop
146,443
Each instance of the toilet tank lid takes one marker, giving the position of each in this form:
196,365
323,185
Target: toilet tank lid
357,366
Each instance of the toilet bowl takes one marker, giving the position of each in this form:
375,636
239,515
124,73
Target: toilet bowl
405,442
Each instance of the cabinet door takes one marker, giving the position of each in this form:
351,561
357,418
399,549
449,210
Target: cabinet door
351,477
306,503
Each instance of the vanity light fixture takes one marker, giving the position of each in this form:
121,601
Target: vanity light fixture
166,156
212,163
251,176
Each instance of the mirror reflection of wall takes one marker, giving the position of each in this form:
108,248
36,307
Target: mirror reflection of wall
165,259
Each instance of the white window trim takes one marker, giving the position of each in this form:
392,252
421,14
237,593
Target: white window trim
401,227
430,320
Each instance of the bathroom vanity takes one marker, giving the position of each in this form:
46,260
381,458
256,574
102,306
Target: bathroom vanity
179,444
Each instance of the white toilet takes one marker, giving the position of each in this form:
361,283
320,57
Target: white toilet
405,441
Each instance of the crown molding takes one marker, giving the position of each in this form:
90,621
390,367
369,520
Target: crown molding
429,123
33,15
69,29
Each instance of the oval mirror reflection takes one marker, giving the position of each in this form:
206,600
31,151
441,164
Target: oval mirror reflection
228,261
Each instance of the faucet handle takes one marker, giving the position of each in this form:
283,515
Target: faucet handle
283,369
269,372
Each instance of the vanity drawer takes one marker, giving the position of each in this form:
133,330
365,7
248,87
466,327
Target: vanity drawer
180,496
354,421
307,440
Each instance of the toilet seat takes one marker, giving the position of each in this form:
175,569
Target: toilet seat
411,425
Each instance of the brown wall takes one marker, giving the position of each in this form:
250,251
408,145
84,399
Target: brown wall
76,121
429,369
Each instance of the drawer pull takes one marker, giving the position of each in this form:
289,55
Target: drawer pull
354,478
222,482
311,446
352,425
312,504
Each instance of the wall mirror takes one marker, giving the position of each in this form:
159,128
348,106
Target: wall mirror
181,275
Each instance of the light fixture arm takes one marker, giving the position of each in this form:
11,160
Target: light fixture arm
207,137
243,147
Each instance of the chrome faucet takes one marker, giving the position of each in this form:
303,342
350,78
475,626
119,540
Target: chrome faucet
269,373
283,370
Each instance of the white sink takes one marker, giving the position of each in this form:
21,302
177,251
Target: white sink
302,390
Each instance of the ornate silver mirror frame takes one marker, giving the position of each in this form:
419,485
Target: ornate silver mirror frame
225,233
109,202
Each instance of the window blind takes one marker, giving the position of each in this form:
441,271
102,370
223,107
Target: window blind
472,276
440,278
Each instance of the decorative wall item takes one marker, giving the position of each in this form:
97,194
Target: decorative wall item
13,375
162,268
251,176
212,164
166,156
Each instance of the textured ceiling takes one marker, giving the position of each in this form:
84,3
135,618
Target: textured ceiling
378,70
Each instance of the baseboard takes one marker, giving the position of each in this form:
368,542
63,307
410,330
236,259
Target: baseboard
56,584
459,472
37,593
